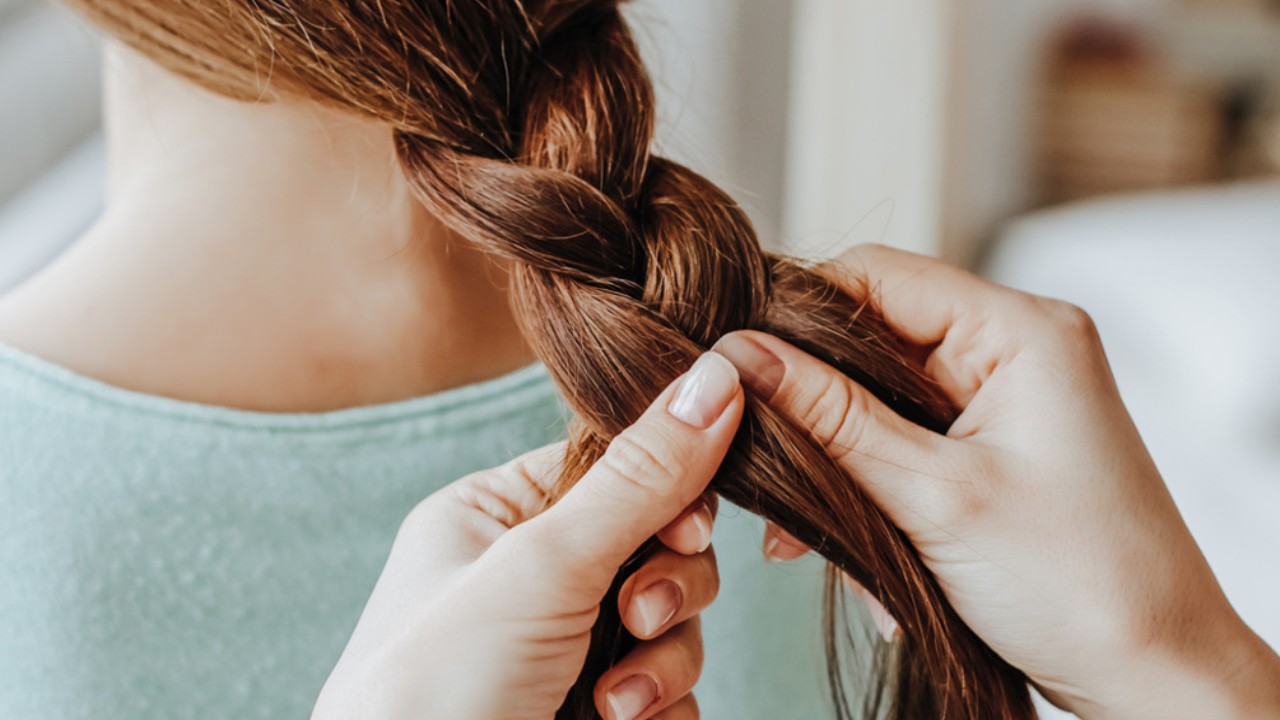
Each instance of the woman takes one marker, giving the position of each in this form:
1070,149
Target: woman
217,407
308,254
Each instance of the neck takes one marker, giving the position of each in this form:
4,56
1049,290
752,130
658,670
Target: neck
275,252
292,171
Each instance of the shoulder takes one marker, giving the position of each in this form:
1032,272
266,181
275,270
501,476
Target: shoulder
68,322
211,347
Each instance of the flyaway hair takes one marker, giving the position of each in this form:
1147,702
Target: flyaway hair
526,126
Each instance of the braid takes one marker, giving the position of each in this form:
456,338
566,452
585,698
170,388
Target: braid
628,267
526,126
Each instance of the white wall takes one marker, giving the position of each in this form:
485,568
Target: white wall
868,114
721,68
825,118
996,62
49,89
840,121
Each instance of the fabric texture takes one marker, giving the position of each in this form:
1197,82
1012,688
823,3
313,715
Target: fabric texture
163,559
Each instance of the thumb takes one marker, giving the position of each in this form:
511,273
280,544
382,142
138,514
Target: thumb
888,454
648,475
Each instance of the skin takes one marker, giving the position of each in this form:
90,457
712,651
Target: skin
485,607
1040,512
269,257
263,257
285,234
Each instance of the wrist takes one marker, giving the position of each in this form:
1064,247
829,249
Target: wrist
1236,676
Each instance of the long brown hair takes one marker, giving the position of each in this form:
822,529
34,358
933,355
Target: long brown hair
526,126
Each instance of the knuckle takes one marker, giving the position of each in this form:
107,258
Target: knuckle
867,248
686,709
696,657
817,406
643,460
1076,320
1071,320
700,578
856,257
529,483
1069,336
835,415
688,656
851,433
536,573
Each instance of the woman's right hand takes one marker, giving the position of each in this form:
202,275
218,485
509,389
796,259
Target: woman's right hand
1040,512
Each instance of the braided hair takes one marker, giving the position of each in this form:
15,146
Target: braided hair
526,126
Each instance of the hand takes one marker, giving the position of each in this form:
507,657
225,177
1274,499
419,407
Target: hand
486,604
1040,512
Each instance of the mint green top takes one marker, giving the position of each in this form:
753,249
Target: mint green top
163,559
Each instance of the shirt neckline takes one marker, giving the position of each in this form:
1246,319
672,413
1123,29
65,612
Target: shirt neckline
531,381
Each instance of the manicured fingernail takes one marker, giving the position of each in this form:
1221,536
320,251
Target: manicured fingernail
654,607
759,368
705,391
702,520
693,530
630,697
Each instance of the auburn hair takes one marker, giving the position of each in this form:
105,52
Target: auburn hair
526,126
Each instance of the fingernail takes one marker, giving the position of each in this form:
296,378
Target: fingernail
702,519
630,697
759,368
694,529
705,391
654,607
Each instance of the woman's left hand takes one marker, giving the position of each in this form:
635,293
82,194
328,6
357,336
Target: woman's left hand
486,603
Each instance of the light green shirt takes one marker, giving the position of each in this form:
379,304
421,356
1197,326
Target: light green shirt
163,559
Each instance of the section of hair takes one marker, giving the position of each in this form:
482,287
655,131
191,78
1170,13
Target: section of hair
526,126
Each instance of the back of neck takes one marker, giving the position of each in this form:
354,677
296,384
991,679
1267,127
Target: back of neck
268,256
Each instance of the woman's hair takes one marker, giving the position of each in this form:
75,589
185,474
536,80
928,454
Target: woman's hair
526,126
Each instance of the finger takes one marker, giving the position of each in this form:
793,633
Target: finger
933,304
889,454
686,708
667,590
650,473
919,296
780,546
654,676
512,492
690,533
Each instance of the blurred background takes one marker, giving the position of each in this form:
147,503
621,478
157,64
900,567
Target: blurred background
1122,154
